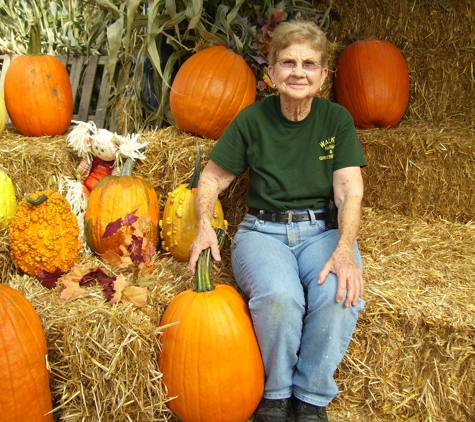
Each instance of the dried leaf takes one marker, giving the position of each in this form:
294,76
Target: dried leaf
136,248
144,277
130,218
120,283
148,252
117,260
47,279
72,290
135,295
113,228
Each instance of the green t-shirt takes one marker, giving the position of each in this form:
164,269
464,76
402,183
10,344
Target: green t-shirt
291,164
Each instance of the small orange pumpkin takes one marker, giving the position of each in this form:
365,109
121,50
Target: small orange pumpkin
24,377
210,359
372,82
114,197
209,90
38,93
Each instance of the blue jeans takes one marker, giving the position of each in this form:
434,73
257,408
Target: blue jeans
303,333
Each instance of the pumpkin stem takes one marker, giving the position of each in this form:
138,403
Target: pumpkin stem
196,174
34,44
205,263
42,198
128,167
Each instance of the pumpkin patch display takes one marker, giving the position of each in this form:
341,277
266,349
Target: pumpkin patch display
210,359
3,114
209,90
44,234
111,200
179,223
372,82
8,204
38,93
24,377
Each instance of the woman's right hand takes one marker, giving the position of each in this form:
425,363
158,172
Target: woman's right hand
213,181
205,238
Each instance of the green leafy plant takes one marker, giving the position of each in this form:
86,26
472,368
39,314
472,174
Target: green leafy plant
148,41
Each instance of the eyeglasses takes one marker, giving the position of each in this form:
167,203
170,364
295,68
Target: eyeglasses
307,65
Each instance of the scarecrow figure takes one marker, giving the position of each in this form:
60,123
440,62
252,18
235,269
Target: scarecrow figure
102,153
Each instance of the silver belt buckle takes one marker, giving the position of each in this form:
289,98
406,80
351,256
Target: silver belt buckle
289,216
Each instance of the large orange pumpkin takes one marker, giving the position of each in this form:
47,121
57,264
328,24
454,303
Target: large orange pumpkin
209,90
372,82
210,359
113,198
38,93
24,377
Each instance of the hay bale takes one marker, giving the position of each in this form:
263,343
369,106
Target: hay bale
102,356
421,170
437,45
413,355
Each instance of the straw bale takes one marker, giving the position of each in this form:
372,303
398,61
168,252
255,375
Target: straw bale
103,356
412,354
419,170
438,46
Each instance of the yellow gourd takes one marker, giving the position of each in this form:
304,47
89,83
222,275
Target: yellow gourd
3,114
8,203
179,223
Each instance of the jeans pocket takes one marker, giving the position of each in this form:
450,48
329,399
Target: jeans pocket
249,222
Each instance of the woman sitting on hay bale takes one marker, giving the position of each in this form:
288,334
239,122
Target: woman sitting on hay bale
303,278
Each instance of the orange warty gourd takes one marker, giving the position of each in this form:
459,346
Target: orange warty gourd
38,93
24,377
209,90
179,223
209,357
44,234
114,197
372,82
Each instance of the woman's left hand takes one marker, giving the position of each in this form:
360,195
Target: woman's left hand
350,276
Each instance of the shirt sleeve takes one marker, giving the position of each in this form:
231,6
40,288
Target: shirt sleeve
348,150
230,152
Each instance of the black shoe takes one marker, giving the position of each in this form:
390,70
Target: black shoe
308,412
272,411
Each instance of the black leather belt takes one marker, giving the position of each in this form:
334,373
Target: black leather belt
286,217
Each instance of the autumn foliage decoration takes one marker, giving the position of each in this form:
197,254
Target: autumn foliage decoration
209,90
134,265
113,198
210,359
44,234
24,377
372,82
38,93
180,222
